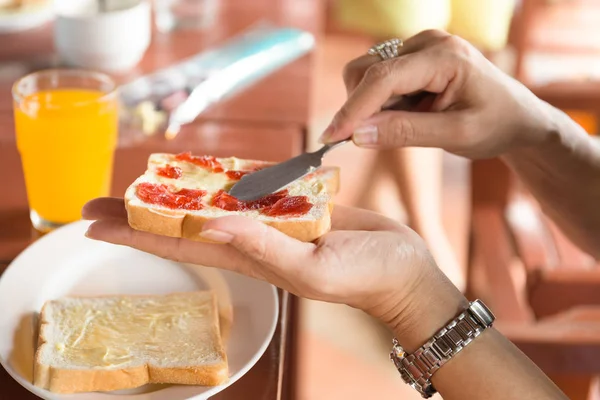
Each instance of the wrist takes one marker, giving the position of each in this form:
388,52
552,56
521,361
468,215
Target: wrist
563,142
431,303
541,131
430,310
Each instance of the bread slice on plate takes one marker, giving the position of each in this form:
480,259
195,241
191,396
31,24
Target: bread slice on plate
179,193
123,342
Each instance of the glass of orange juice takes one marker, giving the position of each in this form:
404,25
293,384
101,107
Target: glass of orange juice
66,127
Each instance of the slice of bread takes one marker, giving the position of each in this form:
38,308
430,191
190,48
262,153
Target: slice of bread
122,342
214,177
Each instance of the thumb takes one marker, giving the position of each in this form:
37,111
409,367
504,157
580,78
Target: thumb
389,129
259,241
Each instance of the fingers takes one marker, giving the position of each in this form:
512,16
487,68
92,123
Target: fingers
253,249
261,242
104,208
434,62
408,74
355,69
423,39
117,231
391,129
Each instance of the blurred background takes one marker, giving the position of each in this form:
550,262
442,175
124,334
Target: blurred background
269,78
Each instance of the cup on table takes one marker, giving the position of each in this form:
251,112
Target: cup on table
106,35
66,128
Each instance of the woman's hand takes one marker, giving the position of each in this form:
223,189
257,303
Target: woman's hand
474,109
366,261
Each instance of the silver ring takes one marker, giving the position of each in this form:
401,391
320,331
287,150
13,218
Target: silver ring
387,49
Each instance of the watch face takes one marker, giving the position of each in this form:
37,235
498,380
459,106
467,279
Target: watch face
482,313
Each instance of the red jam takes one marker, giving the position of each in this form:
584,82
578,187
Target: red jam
160,194
289,206
169,171
236,175
227,202
276,204
208,162
212,164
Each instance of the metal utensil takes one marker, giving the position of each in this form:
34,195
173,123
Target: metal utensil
238,65
269,180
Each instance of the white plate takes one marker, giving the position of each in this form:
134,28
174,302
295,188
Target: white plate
65,262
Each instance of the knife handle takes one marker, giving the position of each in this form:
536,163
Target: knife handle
330,146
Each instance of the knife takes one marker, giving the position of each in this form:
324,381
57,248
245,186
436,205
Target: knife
272,179
269,180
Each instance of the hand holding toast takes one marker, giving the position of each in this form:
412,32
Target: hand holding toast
367,261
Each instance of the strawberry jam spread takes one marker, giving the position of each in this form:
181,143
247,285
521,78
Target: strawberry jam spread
212,164
208,162
236,175
289,206
227,202
184,199
273,205
169,171
276,204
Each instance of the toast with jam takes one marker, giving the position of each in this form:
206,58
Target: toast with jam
179,193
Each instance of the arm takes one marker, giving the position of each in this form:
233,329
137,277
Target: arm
477,111
475,373
491,367
368,262
563,173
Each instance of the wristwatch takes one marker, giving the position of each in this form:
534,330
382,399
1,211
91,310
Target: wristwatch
417,369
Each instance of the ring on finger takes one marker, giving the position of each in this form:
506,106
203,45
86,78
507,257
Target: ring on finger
387,49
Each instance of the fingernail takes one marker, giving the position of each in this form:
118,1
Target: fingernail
216,236
327,134
365,135
88,232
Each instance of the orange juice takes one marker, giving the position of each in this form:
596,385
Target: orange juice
66,138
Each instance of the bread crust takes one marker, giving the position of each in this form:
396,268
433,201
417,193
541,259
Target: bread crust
59,380
63,380
189,226
179,224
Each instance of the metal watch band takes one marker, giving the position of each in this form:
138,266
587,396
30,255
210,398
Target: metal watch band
417,369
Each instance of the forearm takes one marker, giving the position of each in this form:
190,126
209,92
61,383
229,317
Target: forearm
563,173
490,367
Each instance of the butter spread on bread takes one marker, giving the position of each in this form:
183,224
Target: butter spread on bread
121,342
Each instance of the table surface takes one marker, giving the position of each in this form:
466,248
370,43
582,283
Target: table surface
267,121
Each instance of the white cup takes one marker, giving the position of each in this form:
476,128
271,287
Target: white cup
113,40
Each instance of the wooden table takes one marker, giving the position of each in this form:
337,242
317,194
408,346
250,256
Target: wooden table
268,121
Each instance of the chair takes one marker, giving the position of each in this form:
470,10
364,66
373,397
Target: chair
557,55
544,291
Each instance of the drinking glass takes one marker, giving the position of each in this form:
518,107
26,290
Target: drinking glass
66,129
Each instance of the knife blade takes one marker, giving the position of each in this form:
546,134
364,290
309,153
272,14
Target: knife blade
272,179
269,180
